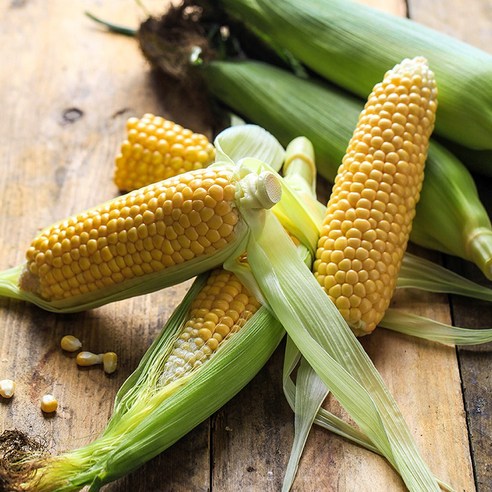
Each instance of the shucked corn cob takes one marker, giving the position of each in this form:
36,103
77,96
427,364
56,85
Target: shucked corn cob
372,205
157,149
144,232
140,242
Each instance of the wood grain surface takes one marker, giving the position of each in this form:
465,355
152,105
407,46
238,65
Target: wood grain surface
66,90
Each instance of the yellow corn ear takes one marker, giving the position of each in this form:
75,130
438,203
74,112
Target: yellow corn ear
370,211
157,149
153,228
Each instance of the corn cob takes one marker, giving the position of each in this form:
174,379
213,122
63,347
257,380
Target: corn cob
305,310
287,105
156,149
221,308
154,228
372,205
152,237
352,45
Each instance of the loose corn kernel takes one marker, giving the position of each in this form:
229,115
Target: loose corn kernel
210,322
110,362
7,388
49,404
85,359
370,211
157,149
134,235
69,343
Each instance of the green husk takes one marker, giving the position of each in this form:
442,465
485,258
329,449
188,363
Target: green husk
419,273
450,216
421,327
300,174
310,394
478,161
147,418
335,354
322,417
353,45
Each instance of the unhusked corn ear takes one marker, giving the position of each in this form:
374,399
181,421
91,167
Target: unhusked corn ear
221,308
146,231
372,205
157,149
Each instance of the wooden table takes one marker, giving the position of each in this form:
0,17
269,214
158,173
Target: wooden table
66,90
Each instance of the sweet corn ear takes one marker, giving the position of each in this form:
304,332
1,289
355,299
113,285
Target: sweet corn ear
370,211
157,149
147,231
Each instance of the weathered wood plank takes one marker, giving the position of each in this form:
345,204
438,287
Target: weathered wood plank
476,363
251,434
472,23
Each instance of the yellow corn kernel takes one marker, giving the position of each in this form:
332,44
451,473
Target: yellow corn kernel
211,320
7,388
49,404
69,343
85,359
370,211
110,362
134,235
157,149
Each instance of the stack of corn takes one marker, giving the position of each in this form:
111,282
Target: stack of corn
174,229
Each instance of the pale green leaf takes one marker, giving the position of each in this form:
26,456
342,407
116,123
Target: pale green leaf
418,326
238,142
327,343
310,394
423,274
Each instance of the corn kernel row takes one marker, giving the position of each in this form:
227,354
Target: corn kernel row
370,211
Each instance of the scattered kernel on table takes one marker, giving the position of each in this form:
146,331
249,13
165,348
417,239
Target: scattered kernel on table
156,149
49,404
69,343
88,359
7,388
110,362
